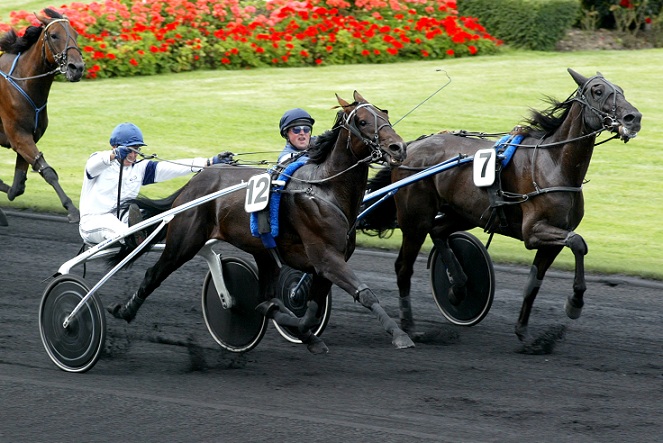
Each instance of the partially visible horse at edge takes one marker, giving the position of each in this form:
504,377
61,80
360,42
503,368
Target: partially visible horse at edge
28,66
318,211
537,197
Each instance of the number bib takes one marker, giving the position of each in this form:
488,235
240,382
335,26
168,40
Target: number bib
484,167
257,192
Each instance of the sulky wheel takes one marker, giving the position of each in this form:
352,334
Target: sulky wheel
293,288
478,267
77,347
239,328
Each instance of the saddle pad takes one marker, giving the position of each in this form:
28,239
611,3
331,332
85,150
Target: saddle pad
274,201
506,147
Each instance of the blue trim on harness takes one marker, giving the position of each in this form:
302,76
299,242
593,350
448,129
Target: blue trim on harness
274,202
25,94
506,147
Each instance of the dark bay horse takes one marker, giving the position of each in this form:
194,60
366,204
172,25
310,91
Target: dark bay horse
537,199
28,66
318,210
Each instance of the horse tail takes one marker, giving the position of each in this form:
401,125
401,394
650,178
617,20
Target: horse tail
149,208
381,220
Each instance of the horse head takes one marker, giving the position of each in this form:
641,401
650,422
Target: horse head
371,125
60,46
606,107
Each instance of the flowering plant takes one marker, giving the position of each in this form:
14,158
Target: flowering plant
143,37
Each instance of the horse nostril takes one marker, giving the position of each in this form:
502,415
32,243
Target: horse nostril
632,120
398,149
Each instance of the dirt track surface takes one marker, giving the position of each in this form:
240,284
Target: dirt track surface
163,378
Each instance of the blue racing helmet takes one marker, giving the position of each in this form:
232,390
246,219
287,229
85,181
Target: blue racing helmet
126,134
294,117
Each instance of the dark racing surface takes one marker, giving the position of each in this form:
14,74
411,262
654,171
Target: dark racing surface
163,378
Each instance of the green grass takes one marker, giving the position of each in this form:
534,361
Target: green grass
202,113
8,6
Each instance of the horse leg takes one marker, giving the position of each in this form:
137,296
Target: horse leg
276,310
20,177
542,260
458,289
332,266
320,287
404,267
171,259
575,302
550,242
51,177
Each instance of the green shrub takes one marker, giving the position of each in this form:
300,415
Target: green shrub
527,24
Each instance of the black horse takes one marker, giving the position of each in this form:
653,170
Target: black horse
537,198
28,66
318,211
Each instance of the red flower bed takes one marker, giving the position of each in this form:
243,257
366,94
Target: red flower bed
143,37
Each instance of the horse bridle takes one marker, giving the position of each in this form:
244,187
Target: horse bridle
604,120
373,143
60,58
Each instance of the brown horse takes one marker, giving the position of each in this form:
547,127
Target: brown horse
28,66
318,210
537,198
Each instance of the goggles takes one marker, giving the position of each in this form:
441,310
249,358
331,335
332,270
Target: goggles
298,129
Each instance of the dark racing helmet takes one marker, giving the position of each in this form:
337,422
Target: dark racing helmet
126,134
294,117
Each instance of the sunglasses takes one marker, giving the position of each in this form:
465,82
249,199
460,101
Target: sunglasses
298,129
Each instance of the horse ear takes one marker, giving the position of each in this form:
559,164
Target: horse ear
342,102
598,74
359,98
580,79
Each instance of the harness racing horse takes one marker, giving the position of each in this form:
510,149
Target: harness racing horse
318,211
28,66
537,197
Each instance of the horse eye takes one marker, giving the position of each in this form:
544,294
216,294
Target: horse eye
363,123
598,92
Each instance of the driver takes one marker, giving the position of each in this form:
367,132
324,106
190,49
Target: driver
295,127
114,176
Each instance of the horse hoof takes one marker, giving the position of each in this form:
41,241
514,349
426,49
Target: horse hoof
74,217
408,327
317,346
402,341
572,311
267,308
522,333
119,312
457,296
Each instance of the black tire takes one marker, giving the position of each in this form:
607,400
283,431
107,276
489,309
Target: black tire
77,347
478,267
239,328
294,295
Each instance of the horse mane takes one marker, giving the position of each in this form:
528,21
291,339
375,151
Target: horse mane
324,143
11,43
542,123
